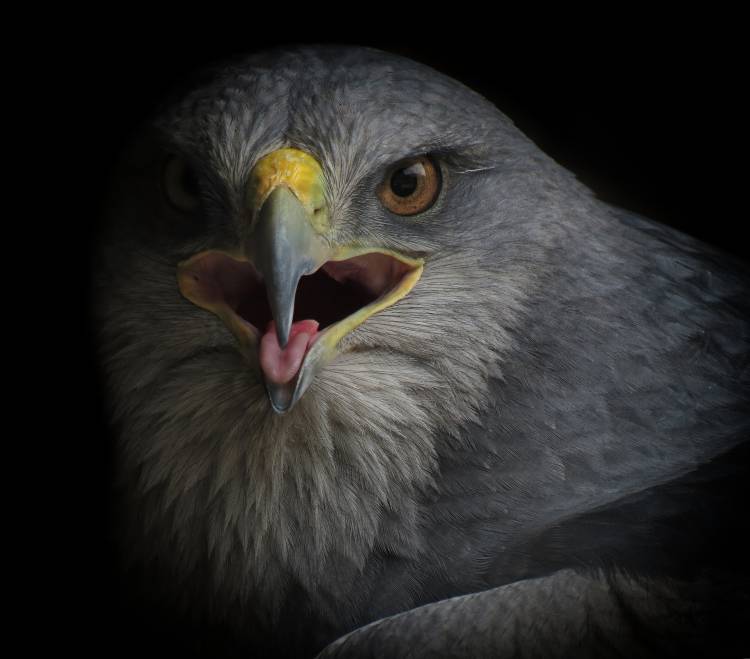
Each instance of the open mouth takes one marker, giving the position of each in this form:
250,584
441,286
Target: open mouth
335,299
333,292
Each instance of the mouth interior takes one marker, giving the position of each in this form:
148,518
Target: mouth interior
333,292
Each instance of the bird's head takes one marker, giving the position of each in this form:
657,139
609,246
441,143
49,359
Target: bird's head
314,265
291,290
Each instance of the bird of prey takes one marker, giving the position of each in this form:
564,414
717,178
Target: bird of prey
386,380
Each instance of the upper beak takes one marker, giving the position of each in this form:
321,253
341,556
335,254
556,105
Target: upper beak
284,246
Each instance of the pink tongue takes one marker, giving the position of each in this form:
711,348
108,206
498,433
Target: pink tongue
280,366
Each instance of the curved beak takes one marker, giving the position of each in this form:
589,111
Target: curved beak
284,247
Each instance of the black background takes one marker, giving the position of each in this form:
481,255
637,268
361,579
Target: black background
649,118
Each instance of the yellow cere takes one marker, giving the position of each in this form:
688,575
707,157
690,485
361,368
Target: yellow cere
298,171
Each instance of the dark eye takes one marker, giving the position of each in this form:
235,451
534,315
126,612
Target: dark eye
411,186
180,184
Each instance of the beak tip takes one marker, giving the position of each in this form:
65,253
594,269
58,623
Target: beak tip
282,333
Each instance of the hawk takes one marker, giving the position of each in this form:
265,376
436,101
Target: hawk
386,380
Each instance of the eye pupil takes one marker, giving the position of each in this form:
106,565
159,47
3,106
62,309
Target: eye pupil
190,182
405,182
180,184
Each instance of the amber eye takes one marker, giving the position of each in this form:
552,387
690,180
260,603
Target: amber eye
411,186
179,184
